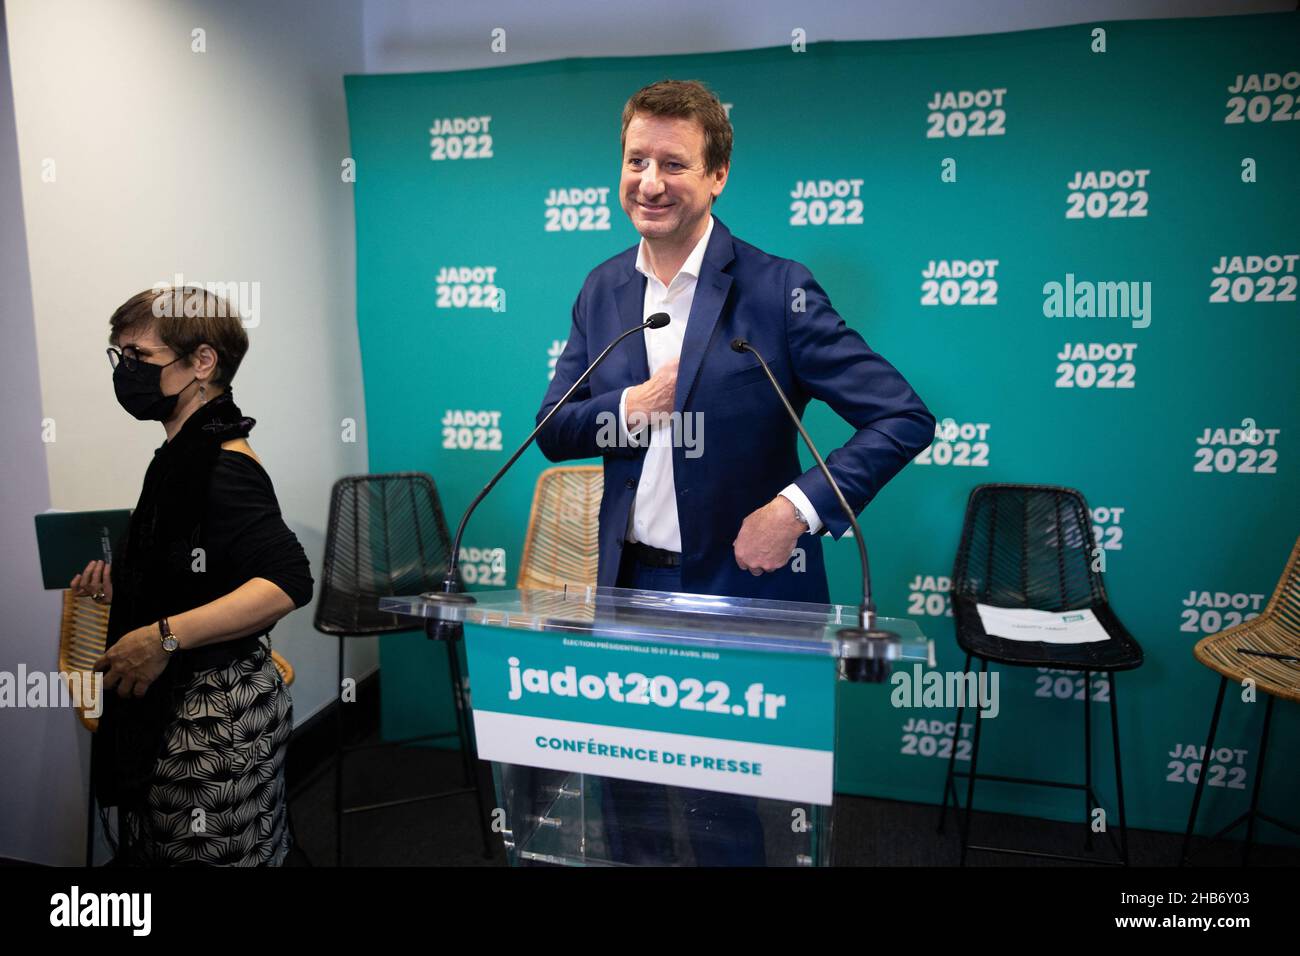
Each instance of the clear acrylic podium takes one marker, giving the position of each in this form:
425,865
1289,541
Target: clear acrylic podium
700,731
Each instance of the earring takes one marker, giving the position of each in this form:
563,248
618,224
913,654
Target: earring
203,394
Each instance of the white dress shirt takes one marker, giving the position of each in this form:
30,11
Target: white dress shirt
654,513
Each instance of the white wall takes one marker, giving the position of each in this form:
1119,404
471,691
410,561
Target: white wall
223,166
404,36
42,755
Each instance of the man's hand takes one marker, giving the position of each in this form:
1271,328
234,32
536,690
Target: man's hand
134,662
656,394
767,537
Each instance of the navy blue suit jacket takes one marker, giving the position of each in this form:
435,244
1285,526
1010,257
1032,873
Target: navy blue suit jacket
750,447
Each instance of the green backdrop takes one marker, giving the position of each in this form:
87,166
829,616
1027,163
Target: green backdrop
465,282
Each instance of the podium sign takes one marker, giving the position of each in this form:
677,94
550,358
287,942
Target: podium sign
713,719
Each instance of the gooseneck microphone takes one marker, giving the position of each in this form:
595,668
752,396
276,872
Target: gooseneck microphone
871,669
451,593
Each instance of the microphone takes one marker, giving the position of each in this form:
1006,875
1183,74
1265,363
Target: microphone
451,593
872,668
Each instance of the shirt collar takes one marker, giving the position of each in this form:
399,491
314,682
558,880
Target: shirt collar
690,267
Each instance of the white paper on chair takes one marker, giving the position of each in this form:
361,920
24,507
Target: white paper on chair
1048,627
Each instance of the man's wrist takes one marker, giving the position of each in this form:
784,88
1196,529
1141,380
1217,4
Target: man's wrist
795,495
796,515
627,413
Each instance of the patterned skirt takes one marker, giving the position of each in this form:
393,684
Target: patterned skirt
218,797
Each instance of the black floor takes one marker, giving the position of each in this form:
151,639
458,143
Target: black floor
868,832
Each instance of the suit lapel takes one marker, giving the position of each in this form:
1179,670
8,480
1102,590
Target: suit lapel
631,305
711,291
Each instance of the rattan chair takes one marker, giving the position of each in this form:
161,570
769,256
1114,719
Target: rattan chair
1275,631
83,632
563,539
1030,546
83,635
284,667
386,537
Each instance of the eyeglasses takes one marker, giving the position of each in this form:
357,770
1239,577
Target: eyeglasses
128,356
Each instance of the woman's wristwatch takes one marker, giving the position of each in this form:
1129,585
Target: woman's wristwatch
169,641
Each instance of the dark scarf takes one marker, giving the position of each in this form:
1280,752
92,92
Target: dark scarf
154,577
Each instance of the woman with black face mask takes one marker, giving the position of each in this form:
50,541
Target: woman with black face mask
191,745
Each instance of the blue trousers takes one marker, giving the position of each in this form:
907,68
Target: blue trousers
723,828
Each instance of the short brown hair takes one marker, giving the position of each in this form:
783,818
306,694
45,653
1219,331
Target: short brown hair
186,317
686,99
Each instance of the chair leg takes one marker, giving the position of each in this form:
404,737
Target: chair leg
467,749
1200,782
338,763
90,825
1259,780
970,780
1087,760
457,697
952,759
1119,770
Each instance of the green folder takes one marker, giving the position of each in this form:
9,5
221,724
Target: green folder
69,540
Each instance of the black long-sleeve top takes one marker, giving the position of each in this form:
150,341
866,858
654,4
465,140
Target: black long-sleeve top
246,533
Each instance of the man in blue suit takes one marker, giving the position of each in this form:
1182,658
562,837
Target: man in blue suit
704,492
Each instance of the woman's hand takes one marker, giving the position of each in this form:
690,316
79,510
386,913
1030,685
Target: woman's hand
134,662
95,582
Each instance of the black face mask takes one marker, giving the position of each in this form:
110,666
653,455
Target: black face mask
139,391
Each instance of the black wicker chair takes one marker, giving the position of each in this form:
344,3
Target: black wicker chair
1030,546
387,536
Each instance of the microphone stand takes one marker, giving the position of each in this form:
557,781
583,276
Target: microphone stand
451,595
870,665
